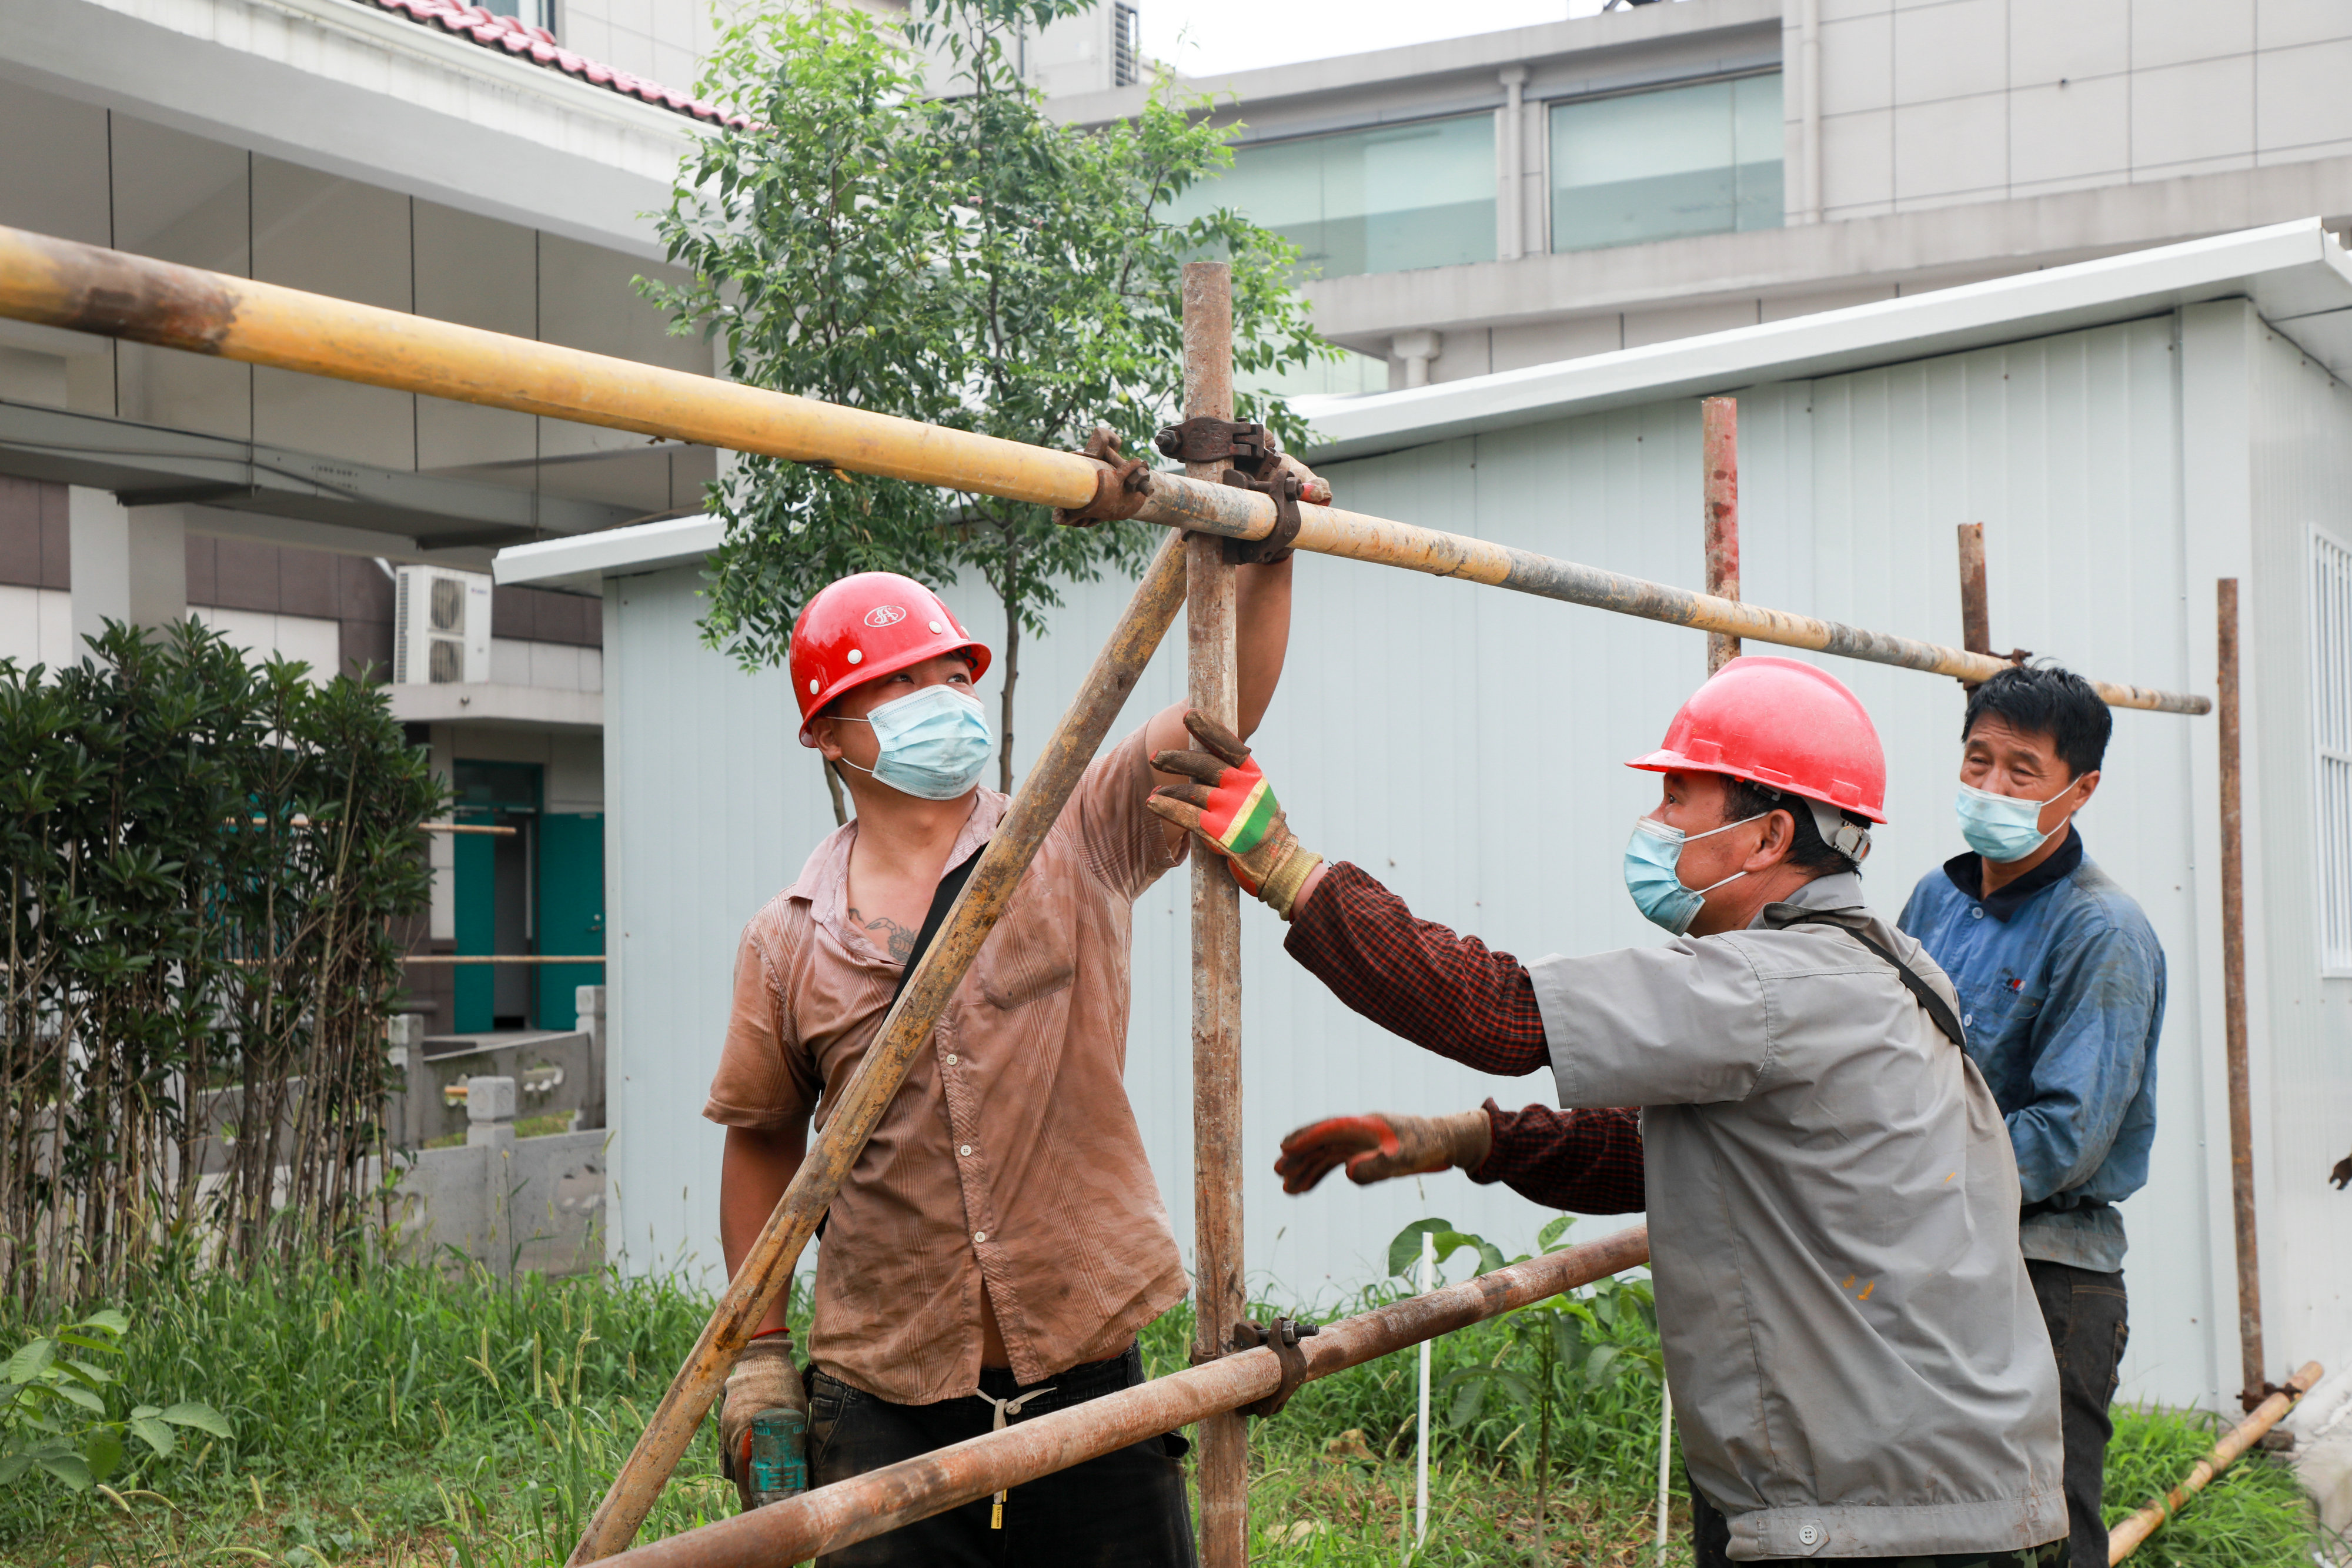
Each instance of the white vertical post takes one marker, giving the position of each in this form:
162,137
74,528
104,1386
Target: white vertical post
1423,1283
1665,1448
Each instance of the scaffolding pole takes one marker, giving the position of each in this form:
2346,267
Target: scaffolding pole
2253,1388
1718,425
87,288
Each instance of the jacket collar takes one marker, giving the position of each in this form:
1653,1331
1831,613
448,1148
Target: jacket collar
1837,891
1966,872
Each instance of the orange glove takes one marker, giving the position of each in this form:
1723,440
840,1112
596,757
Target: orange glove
1233,810
1378,1146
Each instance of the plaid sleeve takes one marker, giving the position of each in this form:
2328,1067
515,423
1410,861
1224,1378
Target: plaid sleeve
1415,978
1588,1162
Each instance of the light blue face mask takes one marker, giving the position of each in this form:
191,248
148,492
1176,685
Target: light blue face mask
934,743
2002,827
1654,873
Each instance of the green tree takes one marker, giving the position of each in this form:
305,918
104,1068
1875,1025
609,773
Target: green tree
943,250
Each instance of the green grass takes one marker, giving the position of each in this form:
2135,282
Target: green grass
396,1416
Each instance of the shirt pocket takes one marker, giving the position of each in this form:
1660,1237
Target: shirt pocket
1031,955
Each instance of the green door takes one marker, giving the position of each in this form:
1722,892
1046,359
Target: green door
570,911
477,875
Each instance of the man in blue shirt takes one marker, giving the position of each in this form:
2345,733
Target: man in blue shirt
2061,993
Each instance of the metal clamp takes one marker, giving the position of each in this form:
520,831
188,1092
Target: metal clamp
1285,489
1282,1336
1120,485
1242,442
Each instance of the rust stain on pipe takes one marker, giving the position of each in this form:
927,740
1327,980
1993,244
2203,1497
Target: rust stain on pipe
1719,451
881,1500
769,1265
2126,1538
2233,1003
1976,617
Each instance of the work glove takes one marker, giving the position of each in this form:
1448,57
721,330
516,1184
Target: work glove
764,1383
1233,810
1378,1146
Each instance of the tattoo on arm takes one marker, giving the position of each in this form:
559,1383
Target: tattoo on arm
897,938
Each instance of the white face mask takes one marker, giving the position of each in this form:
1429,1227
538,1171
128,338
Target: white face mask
934,744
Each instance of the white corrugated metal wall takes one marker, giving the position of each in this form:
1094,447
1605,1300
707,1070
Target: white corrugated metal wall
1464,745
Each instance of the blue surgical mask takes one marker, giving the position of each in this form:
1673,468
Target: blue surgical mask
934,743
1654,873
2002,827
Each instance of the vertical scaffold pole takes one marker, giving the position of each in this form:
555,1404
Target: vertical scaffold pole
1976,614
1719,449
2233,1004
1217,1292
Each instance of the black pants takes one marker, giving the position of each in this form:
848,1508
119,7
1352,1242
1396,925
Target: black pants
2088,1321
1125,1508
1711,1545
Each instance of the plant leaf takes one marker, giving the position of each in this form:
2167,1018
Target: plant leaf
80,1395
107,1321
70,1468
153,1433
1469,1399
1553,1232
101,1449
204,1418
30,1362
1597,1364
1405,1251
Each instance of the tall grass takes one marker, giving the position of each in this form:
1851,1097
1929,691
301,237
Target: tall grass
399,1414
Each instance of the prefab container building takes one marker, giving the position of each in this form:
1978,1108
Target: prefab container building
2127,430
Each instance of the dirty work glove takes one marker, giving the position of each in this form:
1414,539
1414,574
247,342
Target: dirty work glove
764,1384
1378,1146
1232,810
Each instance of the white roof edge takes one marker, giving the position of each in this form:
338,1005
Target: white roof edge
584,558
2308,272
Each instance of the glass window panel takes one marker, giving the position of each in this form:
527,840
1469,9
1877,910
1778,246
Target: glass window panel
1368,201
1681,161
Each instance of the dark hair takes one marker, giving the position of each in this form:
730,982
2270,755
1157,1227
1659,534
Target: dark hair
2047,700
1808,851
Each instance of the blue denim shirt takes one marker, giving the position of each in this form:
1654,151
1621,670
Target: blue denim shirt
2062,993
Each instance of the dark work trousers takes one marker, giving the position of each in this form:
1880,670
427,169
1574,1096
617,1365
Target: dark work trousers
1711,1545
2086,1313
1125,1508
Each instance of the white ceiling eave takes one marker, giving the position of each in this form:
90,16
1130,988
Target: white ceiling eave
2298,276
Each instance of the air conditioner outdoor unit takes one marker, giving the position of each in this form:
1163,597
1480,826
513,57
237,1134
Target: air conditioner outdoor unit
441,633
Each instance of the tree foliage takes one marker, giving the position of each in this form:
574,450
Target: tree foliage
943,250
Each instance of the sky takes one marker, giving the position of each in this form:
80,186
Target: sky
1208,36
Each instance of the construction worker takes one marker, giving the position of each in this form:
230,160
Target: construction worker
1001,1239
2060,981
1858,1364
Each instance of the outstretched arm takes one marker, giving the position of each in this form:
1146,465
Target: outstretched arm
1588,1162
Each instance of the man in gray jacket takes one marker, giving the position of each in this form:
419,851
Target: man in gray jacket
1859,1366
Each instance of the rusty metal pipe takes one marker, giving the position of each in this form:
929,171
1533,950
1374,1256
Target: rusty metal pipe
1213,685
1976,616
881,1500
1719,453
86,288
2233,1003
2126,1538
905,1031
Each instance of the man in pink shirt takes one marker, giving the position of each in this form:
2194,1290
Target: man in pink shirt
1001,1239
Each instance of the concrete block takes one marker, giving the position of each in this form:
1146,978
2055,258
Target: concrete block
2065,132
1858,163
2300,97
1857,63
1958,145
1953,50
2079,38
2174,32
2192,113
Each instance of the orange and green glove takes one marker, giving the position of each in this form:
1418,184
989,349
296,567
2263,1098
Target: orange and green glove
1378,1145
1232,810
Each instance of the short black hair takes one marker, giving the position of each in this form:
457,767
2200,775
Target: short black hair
1808,851
2046,699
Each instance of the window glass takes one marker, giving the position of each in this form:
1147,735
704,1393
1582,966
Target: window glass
1695,160
1369,201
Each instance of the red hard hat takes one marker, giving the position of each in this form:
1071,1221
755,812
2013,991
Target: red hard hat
1784,725
867,626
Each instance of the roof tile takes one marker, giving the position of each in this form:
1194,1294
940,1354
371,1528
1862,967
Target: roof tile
537,44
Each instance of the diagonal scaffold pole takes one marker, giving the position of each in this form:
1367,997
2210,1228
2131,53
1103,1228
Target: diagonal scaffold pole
88,288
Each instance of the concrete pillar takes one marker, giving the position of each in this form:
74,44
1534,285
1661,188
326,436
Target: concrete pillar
405,1052
128,564
490,1128
489,1113
1510,205
588,1002
1416,350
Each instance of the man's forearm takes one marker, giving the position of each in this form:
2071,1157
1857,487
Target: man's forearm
753,1171
1416,979
1261,639
1587,1162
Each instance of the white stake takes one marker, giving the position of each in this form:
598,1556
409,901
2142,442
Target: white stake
1665,1446
1421,1457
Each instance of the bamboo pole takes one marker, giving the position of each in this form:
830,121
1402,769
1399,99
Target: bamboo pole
1720,452
2234,1005
869,1505
86,288
2126,1538
905,1031
1213,687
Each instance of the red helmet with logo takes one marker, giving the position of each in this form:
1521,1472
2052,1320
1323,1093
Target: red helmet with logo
867,626
1782,723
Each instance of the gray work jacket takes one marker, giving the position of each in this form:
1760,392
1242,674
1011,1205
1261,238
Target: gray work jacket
1858,1364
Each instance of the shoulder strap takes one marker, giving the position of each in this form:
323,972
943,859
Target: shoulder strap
1938,1007
942,900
